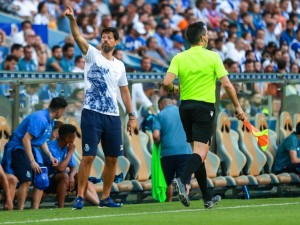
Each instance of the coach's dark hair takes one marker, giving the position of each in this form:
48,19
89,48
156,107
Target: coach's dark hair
65,130
113,30
57,103
195,31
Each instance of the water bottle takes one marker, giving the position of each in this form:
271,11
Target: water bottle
246,192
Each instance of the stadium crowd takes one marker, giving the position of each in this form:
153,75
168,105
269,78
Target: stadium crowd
250,36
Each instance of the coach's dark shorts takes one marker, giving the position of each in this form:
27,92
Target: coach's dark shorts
98,127
173,166
21,165
197,119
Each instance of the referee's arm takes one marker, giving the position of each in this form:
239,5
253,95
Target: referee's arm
232,95
168,83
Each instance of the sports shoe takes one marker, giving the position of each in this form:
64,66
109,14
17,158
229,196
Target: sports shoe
79,203
180,188
210,204
108,202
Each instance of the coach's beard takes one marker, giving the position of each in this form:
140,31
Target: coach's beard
106,48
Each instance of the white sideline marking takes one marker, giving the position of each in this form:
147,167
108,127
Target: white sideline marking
143,213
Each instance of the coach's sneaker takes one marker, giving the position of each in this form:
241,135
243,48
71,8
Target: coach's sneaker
108,202
210,204
180,188
79,203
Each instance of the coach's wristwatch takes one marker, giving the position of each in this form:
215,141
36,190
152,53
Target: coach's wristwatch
132,114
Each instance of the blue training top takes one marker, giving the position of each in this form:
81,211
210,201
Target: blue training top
282,158
58,153
39,125
172,135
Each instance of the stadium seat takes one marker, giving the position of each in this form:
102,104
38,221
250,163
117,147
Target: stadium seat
98,164
296,119
212,164
136,151
122,170
4,133
232,158
286,126
261,124
256,159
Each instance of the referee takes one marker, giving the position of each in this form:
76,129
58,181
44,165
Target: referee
197,69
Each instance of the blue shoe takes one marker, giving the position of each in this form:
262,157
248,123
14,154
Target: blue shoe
79,203
108,202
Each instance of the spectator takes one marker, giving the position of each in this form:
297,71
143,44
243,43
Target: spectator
237,54
295,47
42,17
3,48
256,15
167,11
189,17
106,21
79,64
17,50
287,159
21,155
168,132
41,51
25,9
259,47
163,40
213,15
219,48
27,64
88,33
29,97
52,90
269,33
18,38
132,13
67,61
178,46
276,107
155,53
201,12
288,35
62,180
53,62
10,63
134,42
246,25
256,104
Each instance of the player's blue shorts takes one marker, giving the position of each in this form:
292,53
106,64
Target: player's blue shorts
98,127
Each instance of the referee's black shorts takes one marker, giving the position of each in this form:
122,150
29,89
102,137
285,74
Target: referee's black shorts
197,118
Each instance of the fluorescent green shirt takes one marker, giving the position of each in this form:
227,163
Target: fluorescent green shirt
198,69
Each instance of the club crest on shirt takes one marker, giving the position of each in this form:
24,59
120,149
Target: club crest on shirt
211,113
86,147
28,174
121,147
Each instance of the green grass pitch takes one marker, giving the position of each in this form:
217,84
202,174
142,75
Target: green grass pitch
228,212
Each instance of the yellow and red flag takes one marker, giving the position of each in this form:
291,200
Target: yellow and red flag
262,137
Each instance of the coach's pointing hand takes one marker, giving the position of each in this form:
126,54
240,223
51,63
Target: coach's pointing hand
69,11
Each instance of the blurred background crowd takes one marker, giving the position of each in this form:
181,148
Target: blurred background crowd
250,36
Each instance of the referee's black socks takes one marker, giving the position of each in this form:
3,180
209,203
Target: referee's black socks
201,177
191,165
